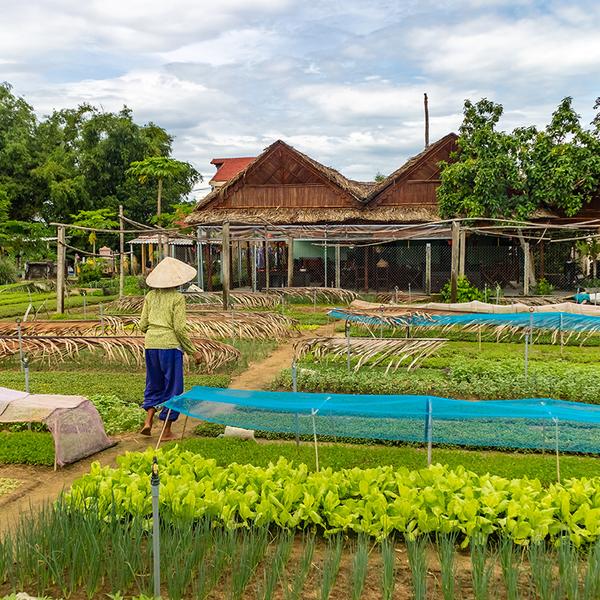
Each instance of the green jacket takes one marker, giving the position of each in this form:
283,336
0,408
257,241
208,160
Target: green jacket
163,321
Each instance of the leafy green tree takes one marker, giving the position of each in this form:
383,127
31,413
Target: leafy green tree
17,155
102,218
499,174
379,177
161,169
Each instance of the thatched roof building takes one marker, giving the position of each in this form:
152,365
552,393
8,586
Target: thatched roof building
283,186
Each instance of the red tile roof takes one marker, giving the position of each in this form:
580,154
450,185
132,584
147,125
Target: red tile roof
229,167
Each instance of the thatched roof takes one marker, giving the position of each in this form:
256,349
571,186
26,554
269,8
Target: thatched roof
291,216
361,191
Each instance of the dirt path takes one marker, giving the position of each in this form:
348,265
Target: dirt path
260,374
42,484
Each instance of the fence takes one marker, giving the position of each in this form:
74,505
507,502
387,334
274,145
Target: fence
419,263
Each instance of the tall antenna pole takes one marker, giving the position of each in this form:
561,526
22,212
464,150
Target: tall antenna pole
426,105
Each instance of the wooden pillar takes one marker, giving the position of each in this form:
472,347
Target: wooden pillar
254,266
267,264
338,267
209,267
366,268
455,260
226,262
462,251
60,270
249,263
121,253
526,268
290,262
143,258
428,268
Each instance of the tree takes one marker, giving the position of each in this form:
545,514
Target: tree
379,177
499,174
103,218
17,154
161,169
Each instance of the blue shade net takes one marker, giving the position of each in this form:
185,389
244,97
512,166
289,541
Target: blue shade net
527,423
556,321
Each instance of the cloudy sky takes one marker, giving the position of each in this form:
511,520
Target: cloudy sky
342,80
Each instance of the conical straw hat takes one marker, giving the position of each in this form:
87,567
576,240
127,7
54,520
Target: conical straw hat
170,272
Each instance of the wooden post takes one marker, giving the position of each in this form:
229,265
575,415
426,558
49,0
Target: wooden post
121,253
290,262
209,266
255,266
143,258
366,268
426,105
267,264
455,259
526,268
338,267
462,251
60,270
428,268
226,262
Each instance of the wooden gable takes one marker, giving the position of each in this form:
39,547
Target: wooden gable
283,178
416,182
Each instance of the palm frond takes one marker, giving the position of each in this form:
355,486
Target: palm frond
108,325
122,349
323,295
237,299
390,352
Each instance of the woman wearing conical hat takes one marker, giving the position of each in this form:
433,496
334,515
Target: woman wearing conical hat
166,339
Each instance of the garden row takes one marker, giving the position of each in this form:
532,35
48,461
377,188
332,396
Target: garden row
100,558
376,502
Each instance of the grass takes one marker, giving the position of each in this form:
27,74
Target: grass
129,387
16,306
340,456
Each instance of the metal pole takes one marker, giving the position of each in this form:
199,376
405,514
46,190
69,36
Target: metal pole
429,431
84,304
254,267
557,454
20,336
461,258
347,331
313,413
526,269
199,260
25,366
562,338
295,389
290,262
155,484
121,252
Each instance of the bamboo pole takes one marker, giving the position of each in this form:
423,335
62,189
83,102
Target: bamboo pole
121,253
455,260
60,270
226,263
427,268
462,251
290,262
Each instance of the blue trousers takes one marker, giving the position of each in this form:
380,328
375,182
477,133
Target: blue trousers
164,380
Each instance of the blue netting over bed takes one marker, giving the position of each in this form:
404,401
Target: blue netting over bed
540,320
527,423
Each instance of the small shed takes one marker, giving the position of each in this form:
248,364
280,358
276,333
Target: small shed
74,422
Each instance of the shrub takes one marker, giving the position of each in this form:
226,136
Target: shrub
89,271
465,291
543,287
8,271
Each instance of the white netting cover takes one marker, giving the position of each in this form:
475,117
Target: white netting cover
74,422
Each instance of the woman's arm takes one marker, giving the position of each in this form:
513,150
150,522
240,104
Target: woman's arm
144,318
179,326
